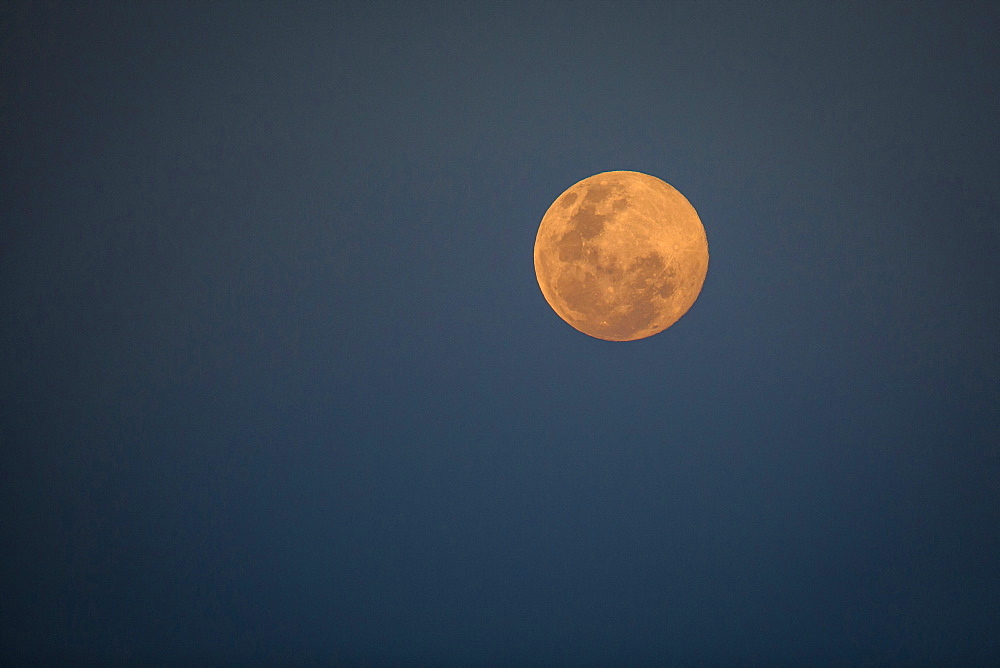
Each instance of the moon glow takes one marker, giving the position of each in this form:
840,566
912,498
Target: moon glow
621,256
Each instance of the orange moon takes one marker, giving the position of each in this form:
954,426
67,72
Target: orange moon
621,256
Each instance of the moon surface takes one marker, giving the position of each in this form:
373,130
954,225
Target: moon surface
621,256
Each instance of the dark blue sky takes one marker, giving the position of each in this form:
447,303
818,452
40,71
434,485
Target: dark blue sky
277,383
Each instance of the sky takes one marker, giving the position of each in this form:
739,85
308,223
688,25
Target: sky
279,385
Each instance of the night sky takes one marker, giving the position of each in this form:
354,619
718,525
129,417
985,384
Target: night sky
278,384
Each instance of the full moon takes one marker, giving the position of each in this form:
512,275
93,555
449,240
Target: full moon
621,256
